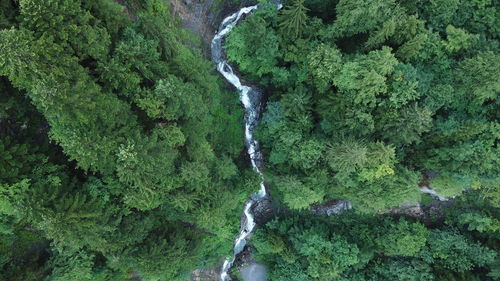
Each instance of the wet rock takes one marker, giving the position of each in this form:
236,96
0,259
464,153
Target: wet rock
249,269
264,211
331,207
243,221
435,209
409,210
245,257
427,213
206,274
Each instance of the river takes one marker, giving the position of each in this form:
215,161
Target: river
251,99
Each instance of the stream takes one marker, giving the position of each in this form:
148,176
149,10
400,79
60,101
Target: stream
251,100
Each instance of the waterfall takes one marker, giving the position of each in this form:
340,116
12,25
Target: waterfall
432,192
251,100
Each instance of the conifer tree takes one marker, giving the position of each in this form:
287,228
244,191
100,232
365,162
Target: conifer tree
293,19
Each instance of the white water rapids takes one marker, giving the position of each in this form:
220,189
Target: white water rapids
251,100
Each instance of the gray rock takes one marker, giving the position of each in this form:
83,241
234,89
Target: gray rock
264,211
331,207
414,210
206,274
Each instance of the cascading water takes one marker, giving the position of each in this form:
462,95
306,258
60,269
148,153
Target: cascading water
432,192
251,100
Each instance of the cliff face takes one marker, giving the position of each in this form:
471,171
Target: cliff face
199,16
204,16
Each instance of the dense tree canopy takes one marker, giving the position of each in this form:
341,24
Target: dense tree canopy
108,147
122,154
366,247
369,99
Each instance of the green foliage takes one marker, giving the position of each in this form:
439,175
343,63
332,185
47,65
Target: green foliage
293,18
8,12
480,84
458,39
388,89
160,257
378,93
299,246
400,269
412,47
475,16
440,13
72,266
15,160
358,16
381,95
120,150
296,194
304,252
455,252
136,142
450,185
10,196
409,127
473,213
23,255
325,62
67,24
253,39
401,238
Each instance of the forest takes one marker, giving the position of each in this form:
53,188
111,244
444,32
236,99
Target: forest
122,151
371,100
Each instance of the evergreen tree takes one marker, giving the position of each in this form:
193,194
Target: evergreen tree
293,18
